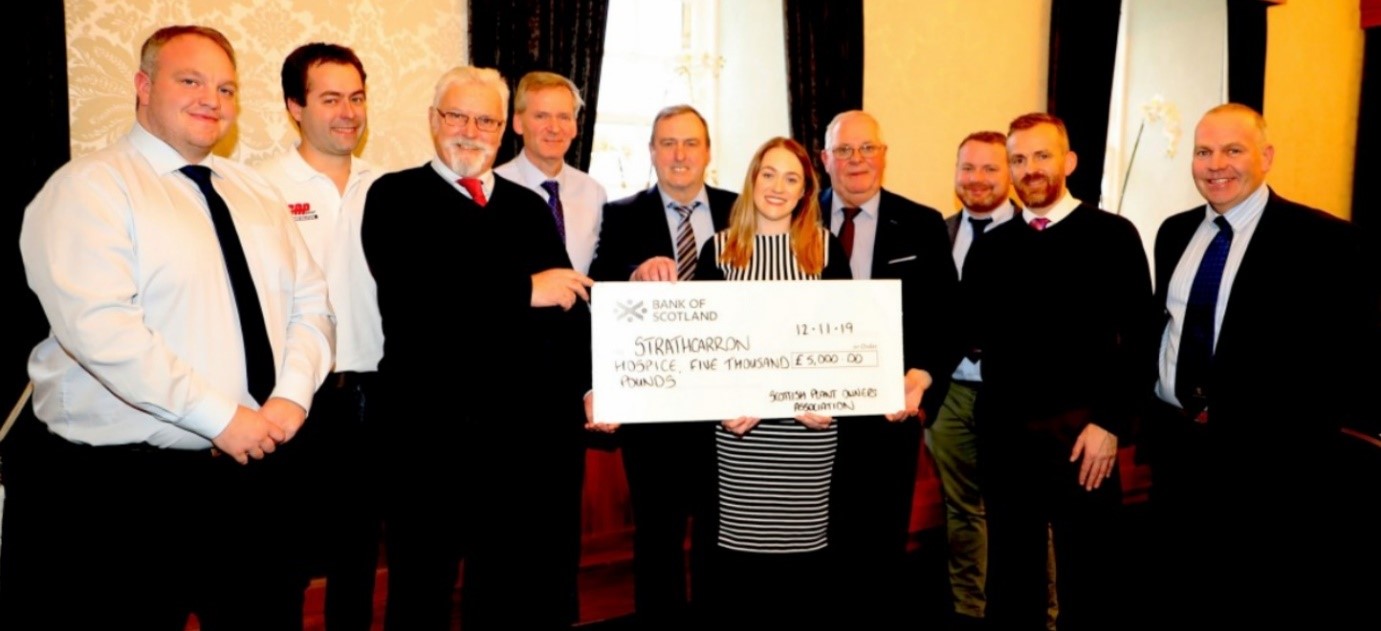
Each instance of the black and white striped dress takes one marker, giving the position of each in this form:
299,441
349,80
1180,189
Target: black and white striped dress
774,482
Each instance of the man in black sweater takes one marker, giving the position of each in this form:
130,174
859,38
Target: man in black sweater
1060,383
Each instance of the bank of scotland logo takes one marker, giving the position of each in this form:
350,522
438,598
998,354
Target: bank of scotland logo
629,310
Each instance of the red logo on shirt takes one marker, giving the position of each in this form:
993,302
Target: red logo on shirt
300,208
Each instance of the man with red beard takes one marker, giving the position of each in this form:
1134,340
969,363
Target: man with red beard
430,233
982,182
1060,304
885,236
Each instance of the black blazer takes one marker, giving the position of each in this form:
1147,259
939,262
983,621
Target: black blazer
635,229
1297,345
912,245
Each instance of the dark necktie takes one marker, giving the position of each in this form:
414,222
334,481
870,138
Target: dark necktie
259,369
1196,337
979,227
974,354
1039,223
846,231
685,243
553,189
475,188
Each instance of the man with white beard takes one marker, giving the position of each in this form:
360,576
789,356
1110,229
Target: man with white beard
451,232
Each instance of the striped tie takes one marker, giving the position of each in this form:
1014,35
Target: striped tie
685,243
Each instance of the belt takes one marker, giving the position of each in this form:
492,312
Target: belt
349,380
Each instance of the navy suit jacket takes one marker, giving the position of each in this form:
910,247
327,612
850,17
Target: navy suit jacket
1297,343
635,230
912,245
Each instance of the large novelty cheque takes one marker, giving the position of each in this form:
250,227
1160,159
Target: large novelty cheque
771,349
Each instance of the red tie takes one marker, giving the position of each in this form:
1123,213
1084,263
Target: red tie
1039,223
475,188
846,230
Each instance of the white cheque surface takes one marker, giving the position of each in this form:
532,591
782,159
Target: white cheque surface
720,350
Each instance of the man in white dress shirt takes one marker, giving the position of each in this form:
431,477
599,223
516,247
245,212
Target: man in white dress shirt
190,328
546,107
324,185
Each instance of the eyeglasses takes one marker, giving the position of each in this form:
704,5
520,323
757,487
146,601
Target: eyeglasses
460,119
844,152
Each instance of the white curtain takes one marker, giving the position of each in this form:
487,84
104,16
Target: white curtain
1172,60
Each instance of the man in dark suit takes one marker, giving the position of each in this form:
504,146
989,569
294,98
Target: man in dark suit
885,236
656,235
1266,306
1060,304
448,227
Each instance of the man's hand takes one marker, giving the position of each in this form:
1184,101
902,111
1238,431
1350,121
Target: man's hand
741,425
656,268
249,435
286,415
590,424
917,382
1099,451
814,421
559,286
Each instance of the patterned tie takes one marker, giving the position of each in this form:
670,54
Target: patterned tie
475,187
1196,337
553,189
685,243
259,369
1039,223
846,230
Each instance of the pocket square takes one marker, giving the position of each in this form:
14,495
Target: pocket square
902,259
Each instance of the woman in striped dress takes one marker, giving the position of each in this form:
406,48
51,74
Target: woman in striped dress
771,557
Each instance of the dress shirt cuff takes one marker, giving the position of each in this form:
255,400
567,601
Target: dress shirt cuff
209,417
296,388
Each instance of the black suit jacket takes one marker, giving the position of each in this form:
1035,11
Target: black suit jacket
430,248
1297,343
912,245
635,230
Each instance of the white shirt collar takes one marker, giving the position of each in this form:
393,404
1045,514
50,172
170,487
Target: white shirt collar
1058,211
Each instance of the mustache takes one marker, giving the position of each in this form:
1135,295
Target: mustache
469,144
1033,177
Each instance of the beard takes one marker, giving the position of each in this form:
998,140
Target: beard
467,158
1039,190
980,200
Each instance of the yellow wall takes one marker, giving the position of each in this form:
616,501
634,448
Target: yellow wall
404,45
934,71
938,69
1313,83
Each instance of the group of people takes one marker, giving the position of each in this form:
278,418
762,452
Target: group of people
169,466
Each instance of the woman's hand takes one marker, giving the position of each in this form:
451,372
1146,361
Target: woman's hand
814,421
741,425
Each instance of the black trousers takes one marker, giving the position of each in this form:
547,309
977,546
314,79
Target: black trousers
873,484
503,494
135,537
340,489
670,472
1029,485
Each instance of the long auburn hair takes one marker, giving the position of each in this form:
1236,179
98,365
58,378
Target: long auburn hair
806,241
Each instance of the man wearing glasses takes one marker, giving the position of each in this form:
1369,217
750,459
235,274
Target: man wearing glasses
886,236
449,229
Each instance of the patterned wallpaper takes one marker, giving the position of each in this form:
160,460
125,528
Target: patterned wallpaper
405,46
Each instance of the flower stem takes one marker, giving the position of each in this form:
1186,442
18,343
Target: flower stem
1127,177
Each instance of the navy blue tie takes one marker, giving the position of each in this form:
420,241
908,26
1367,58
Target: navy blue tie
259,370
1196,337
